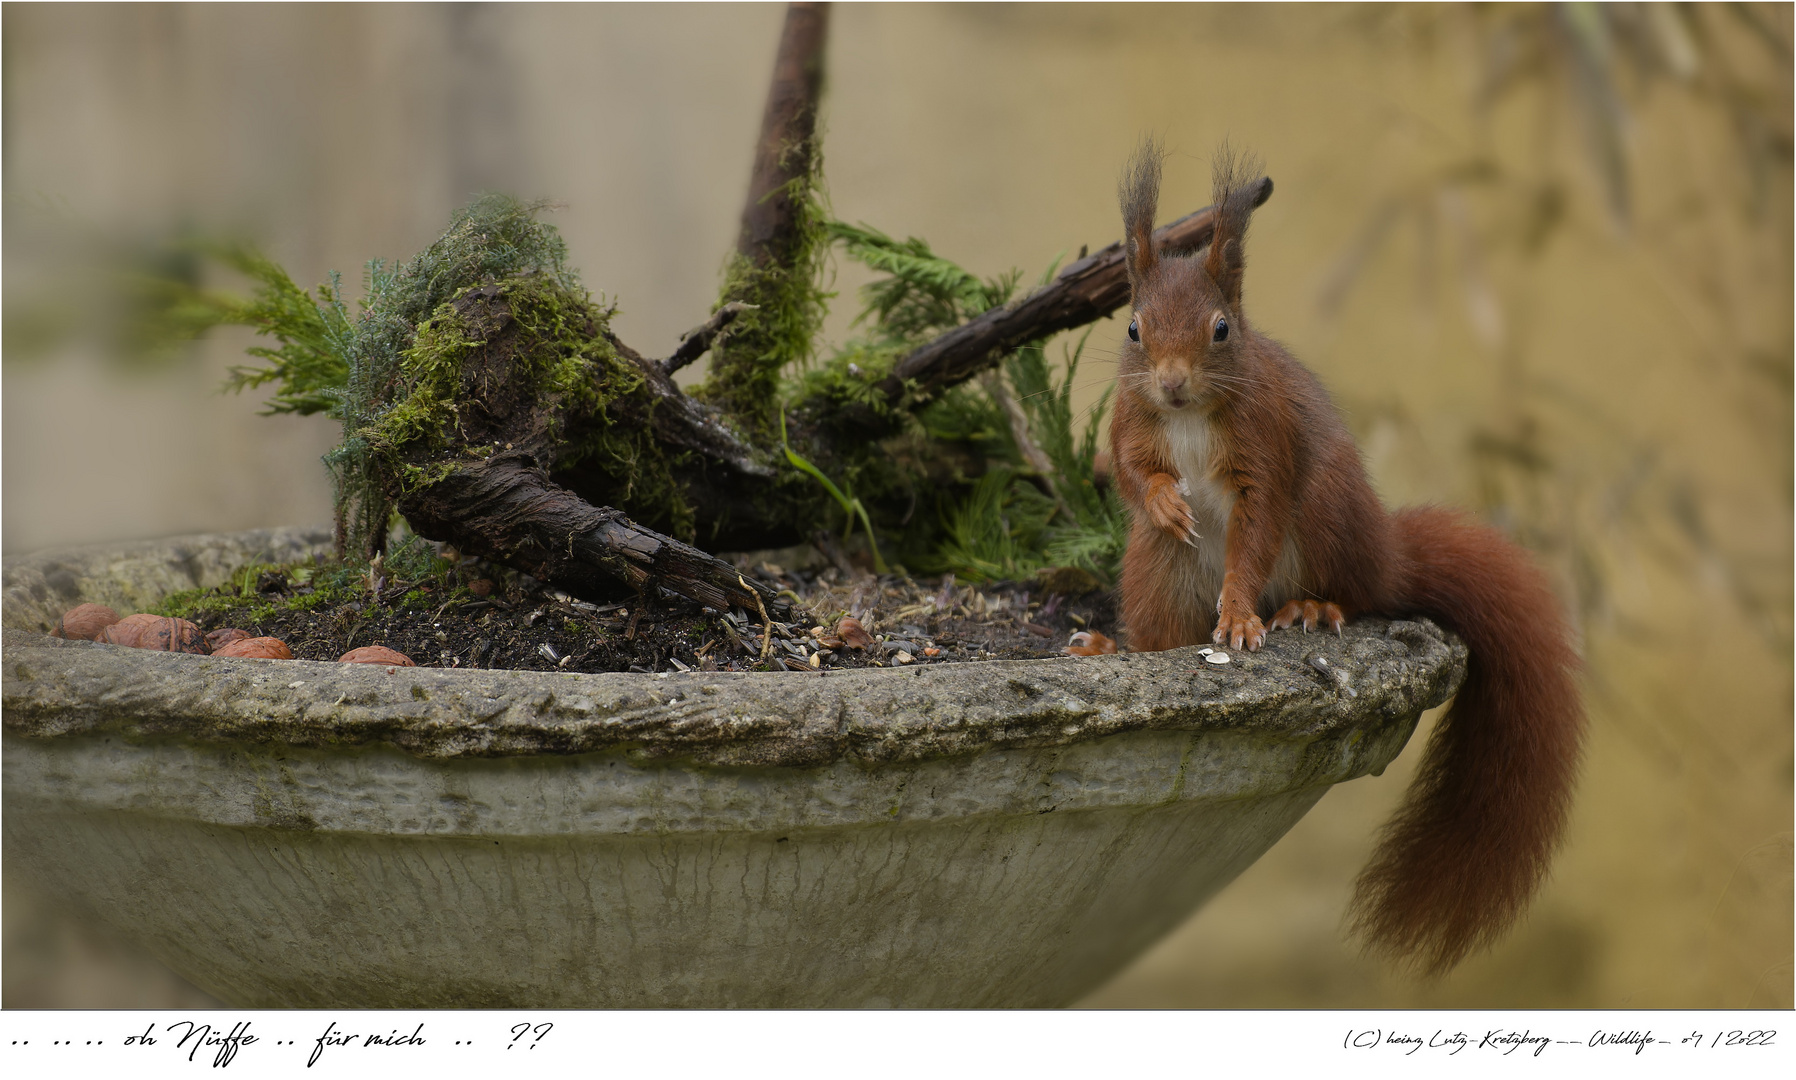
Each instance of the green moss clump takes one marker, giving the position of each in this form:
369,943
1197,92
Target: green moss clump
310,585
199,605
777,334
494,238
240,602
552,361
842,394
518,369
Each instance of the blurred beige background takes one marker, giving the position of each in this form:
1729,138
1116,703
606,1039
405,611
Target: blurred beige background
1542,257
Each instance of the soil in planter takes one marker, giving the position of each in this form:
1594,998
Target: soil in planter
469,614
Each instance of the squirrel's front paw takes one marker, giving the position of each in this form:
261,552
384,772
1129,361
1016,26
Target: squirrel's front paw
1237,629
1167,509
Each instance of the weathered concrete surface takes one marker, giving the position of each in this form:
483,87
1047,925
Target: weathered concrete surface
373,879
54,688
1008,833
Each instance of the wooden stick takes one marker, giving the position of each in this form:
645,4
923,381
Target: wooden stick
788,128
696,340
507,510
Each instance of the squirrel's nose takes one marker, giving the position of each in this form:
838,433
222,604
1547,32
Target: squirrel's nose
1171,381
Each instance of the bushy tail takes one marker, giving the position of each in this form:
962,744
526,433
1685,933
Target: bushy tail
1487,810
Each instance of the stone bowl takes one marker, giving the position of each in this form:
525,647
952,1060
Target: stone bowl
1009,833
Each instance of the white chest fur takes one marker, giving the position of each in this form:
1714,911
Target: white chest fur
1194,448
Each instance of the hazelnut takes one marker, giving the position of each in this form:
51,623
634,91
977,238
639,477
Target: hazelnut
155,632
218,639
85,622
256,648
375,654
481,587
851,632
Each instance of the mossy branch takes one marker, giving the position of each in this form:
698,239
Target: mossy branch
779,253
1084,292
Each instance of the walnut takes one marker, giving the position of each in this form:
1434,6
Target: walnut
155,632
256,648
375,654
85,622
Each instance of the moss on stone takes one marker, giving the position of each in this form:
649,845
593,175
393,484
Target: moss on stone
241,601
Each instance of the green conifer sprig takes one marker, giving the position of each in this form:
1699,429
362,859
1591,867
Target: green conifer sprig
922,293
1002,525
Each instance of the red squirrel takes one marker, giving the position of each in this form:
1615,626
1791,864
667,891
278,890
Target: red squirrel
1251,512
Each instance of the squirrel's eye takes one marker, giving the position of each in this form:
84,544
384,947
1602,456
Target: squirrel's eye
1222,330
1134,330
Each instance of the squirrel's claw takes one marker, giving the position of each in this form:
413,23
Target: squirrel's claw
1310,613
1089,643
1237,632
1169,512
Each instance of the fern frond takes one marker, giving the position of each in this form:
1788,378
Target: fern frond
922,292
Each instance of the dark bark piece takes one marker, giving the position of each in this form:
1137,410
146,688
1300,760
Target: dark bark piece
1084,292
729,482
788,124
685,421
507,510
700,337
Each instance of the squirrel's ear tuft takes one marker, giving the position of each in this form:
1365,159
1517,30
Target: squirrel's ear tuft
1240,185
1139,192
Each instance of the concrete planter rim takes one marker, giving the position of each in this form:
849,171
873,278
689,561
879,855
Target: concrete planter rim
1300,686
